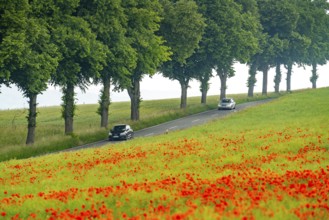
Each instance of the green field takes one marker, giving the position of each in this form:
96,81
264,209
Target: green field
269,161
50,126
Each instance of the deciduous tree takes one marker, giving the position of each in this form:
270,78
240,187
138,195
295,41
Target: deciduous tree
182,27
109,22
229,36
143,26
27,56
83,56
279,19
318,51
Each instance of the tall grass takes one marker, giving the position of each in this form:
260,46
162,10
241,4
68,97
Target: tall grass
269,161
50,126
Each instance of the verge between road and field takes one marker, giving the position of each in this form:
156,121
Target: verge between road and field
178,124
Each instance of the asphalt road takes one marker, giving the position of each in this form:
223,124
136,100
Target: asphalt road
178,124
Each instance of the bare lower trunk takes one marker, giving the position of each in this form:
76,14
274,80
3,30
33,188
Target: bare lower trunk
183,99
31,119
314,76
265,81
204,96
252,79
134,94
223,79
277,78
289,73
222,89
105,103
68,108
204,87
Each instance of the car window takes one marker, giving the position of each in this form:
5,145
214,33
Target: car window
226,100
119,128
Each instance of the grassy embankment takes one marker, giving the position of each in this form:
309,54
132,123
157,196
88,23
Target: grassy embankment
270,161
50,126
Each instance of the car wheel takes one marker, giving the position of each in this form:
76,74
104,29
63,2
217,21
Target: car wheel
128,137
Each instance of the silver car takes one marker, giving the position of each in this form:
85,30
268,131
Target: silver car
226,103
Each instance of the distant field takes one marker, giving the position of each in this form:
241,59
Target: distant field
50,126
267,162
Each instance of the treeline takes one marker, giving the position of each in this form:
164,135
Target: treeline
74,43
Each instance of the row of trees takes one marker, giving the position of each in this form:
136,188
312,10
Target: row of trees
74,43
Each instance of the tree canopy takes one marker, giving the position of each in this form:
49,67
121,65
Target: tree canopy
182,27
109,21
231,35
82,55
143,25
27,55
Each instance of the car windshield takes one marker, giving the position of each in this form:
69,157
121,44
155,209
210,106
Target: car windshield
226,100
119,128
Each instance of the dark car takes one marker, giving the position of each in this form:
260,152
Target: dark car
121,132
226,103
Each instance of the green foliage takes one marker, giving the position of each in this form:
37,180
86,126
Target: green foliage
28,57
230,33
278,17
82,54
143,25
67,100
318,51
182,27
102,99
26,53
109,22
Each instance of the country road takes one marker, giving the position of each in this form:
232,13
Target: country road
177,124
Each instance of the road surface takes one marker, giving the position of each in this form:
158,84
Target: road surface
177,124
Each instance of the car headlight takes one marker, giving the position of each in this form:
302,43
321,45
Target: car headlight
110,134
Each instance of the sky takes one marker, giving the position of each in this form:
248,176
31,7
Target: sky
159,87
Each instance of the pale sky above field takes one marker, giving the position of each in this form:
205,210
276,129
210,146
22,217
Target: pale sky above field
158,87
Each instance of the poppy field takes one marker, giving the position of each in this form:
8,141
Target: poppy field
267,162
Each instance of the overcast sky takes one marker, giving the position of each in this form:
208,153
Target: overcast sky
158,87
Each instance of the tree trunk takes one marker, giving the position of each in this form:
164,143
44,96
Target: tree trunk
105,103
134,94
252,79
223,78
31,119
183,99
289,73
68,108
204,96
204,87
314,76
265,80
277,78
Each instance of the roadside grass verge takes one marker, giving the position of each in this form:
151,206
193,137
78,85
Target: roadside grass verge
50,126
266,162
